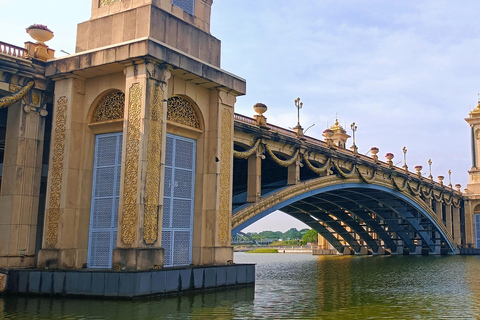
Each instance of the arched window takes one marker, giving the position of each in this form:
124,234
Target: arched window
181,111
476,213
186,5
106,120
111,107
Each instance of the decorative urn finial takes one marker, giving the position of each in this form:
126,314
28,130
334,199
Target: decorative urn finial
328,134
419,169
440,179
41,34
389,157
260,120
374,151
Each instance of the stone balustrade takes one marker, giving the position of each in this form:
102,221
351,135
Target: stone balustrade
12,50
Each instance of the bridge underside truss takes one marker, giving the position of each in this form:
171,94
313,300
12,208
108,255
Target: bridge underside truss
364,219
355,202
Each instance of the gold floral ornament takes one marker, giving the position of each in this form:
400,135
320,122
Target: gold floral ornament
150,223
19,94
129,223
104,3
111,107
3,282
56,170
225,178
180,111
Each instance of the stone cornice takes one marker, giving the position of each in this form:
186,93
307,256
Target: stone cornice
112,59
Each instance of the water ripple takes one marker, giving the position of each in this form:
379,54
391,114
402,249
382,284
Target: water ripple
291,286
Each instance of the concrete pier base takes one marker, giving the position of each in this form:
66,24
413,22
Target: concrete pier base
126,284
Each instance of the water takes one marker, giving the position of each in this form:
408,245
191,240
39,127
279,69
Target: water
299,286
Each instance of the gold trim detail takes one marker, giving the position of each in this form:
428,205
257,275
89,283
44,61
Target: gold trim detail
415,192
57,171
111,107
3,281
365,178
397,186
11,99
225,178
342,174
316,170
283,163
154,151
35,98
104,3
179,110
247,153
129,222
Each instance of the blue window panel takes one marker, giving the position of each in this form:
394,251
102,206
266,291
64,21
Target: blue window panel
105,196
178,204
182,186
186,5
182,248
167,247
167,190
477,230
169,151
183,154
181,213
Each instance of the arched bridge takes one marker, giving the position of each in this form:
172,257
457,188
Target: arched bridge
357,203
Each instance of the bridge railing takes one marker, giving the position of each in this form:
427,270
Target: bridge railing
318,142
11,50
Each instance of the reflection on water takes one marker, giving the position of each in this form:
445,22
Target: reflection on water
300,286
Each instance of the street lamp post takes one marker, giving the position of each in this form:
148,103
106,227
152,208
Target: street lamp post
299,106
298,129
430,169
354,127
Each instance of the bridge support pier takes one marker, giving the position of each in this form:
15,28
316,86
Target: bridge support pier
293,173
456,225
448,213
254,183
20,192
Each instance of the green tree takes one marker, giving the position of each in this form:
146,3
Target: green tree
291,234
310,236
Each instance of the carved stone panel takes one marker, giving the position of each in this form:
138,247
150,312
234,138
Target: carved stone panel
57,171
104,3
150,227
3,282
111,107
225,177
129,222
179,110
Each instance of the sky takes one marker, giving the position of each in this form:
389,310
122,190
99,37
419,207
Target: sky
406,72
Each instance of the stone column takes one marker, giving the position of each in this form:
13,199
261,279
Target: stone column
470,223
448,214
217,193
143,166
429,202
20,191
294,173
66,209
438,209
456,225
254,183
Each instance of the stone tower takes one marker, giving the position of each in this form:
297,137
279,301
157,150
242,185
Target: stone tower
141,163
472,203
180,24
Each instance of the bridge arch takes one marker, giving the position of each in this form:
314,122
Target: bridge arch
352,214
